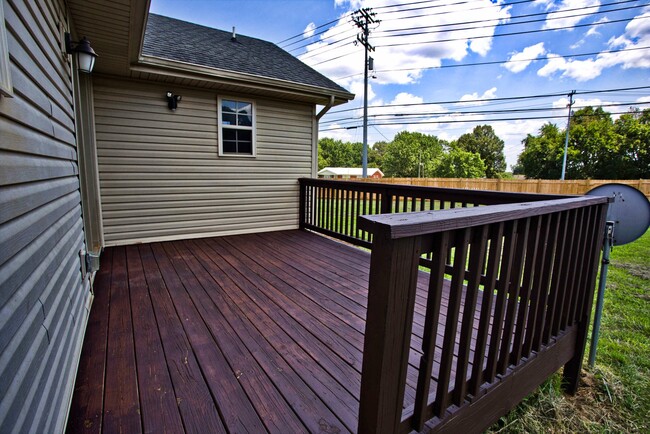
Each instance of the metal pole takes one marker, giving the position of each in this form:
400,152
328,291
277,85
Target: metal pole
364,157
566,139
607,248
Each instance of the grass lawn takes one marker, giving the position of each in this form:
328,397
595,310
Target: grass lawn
614,395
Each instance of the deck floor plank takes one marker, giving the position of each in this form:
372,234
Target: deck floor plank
89,387
258,333
159,408
234,406
121,400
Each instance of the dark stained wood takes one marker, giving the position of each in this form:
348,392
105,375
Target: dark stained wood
494,260
477,252
121,402
86,412
453,310
159,407
193,397
391,299
265,332
434,299
503,283
234,407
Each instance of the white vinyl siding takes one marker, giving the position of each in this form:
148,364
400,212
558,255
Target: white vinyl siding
161,176
44,300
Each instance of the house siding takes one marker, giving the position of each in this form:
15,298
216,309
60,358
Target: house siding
43,297
161,176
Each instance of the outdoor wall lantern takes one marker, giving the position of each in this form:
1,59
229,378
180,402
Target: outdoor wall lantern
85,54
172,100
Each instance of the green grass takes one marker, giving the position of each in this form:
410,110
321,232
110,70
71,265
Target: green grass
614,395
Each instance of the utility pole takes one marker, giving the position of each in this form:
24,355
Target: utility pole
566,139
363,18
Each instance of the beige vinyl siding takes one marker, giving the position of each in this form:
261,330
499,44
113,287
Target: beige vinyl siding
161,176
43,298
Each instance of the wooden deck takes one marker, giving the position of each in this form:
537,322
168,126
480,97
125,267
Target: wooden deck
251,333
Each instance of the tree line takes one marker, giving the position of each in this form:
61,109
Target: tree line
478,154
598,148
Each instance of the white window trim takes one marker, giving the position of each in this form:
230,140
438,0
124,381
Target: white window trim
252,127
6,86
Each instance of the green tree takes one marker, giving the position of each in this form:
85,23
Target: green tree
542,154
336,153
410,154
376,155
599,148
484,142
633,134
458,163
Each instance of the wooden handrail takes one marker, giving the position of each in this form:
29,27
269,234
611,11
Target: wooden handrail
522,273
518,268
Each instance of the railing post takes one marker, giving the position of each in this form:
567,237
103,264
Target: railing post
302,208
391,300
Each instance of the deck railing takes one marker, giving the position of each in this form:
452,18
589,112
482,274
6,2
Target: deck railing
520,278
332,207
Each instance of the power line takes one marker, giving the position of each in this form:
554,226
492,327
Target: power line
426,115
496,62
457,121
509,98
586,14
481,37
525,32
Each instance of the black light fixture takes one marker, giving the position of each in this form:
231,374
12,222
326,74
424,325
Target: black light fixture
85,54
172,100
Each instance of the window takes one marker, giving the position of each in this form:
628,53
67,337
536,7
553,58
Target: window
6,88
236,127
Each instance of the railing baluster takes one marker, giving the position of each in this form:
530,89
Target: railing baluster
526,288
456,288
582,260
538,283
477,251
431,322
513,294
561,316
546,280
493,263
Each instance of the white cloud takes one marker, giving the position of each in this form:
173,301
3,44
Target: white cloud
520,60
410,52
637,34
568,13
309,30
593,30
488,94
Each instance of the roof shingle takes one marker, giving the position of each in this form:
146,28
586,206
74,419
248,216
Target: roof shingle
178,40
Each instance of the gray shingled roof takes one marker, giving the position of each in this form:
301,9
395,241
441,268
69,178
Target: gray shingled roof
178,40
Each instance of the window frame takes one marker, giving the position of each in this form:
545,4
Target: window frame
6,85
251,128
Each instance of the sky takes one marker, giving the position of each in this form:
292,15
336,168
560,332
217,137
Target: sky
442,67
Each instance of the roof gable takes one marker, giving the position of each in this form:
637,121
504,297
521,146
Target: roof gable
181,41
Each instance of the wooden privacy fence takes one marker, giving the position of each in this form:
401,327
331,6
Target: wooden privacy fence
545,186
520,274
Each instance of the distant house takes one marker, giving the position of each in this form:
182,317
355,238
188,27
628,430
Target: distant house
348,173
180,131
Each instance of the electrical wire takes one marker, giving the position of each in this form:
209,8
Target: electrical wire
508,98
497,62
455,121
428,115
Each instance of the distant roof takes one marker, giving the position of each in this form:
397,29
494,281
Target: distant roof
181,41
348,171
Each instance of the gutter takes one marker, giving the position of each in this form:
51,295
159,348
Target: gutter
326,108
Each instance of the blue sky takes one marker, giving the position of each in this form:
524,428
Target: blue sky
427,51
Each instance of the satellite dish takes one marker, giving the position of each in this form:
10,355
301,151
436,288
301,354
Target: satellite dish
628,217
630,211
